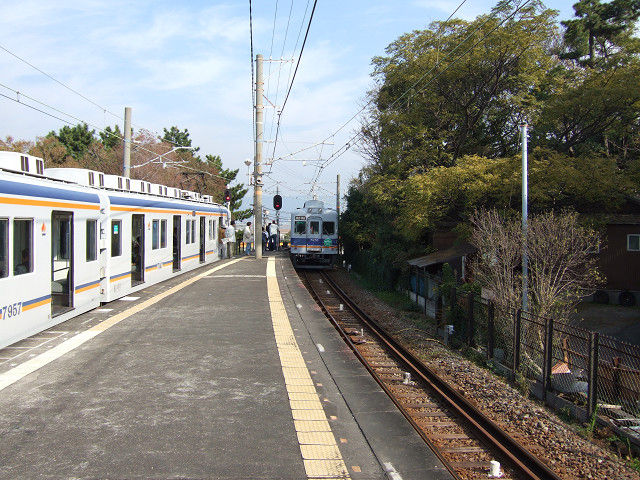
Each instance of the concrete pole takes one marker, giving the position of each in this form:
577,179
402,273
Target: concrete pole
525,193
338,210
257,164
126,168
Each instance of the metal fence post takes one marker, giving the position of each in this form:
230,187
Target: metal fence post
516,341
470,325
547,357
491,339
617,362
592,392
453,300
424,286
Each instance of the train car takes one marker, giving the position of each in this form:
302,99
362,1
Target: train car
314,235
72,239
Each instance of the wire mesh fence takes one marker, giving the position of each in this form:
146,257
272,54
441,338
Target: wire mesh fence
595,372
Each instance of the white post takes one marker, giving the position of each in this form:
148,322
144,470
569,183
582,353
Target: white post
257,172
126,167
525,193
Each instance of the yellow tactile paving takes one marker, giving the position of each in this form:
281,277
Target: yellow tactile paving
308,415
326,468
302,396
320,453
301,388
316,438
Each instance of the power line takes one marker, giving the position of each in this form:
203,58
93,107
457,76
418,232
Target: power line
304,42
342,150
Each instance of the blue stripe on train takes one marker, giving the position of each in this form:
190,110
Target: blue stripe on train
140,202
26,189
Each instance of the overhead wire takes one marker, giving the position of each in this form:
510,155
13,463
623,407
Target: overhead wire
344,148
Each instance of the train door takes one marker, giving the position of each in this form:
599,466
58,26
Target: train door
203,231
61,262
177,241
137,249
314,235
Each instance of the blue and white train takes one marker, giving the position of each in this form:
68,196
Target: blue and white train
314,235
71,239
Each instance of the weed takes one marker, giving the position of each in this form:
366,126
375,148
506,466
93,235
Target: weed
522,383
566,415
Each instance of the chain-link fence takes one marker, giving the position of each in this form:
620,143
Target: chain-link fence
593,371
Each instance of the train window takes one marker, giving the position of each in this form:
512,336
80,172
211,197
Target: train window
101,179
301,227
163,233
24,163
328,228
116,238
211,229
314,227
128,184
4,247
155,234
39,167
188,232
119,182
92,229
193,231
91,179
22,246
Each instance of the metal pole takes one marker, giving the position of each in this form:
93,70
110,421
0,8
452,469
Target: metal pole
278,222
525,193
126,167
257,172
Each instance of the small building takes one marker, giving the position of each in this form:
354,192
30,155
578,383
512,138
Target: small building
620,259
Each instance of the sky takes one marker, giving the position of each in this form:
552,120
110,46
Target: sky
188,64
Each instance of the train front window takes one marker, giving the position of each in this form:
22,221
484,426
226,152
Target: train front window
328,228
4,247
22,246
301,227
314,227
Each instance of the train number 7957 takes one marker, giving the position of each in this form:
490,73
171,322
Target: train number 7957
11,310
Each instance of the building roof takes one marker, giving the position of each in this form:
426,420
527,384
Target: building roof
442,256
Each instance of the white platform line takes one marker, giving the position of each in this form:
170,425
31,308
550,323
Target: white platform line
11,376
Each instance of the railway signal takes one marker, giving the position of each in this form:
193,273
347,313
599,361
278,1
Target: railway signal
227,195
277,202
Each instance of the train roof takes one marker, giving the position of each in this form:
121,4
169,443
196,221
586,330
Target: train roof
29,165
314,206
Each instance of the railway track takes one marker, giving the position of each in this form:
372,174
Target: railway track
464,439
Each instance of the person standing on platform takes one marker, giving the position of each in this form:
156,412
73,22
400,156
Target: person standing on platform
247,238
222,240
273,236
231,239
265,239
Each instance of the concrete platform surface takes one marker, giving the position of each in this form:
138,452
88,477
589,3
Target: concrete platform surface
213,374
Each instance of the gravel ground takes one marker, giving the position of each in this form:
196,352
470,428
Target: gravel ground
564,450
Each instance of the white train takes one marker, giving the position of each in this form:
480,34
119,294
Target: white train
71,239
314,235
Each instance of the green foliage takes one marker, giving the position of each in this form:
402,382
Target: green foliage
111,138
177,137
237,191
601,35
76,139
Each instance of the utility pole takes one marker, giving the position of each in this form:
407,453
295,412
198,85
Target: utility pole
278,222
257,164
525,193
126,167
338,210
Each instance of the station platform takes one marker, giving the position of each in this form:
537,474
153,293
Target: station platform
226,372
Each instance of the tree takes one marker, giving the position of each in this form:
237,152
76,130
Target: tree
602,33
562,264
177,138
111,138
459,88
237,191
75,139
51,150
